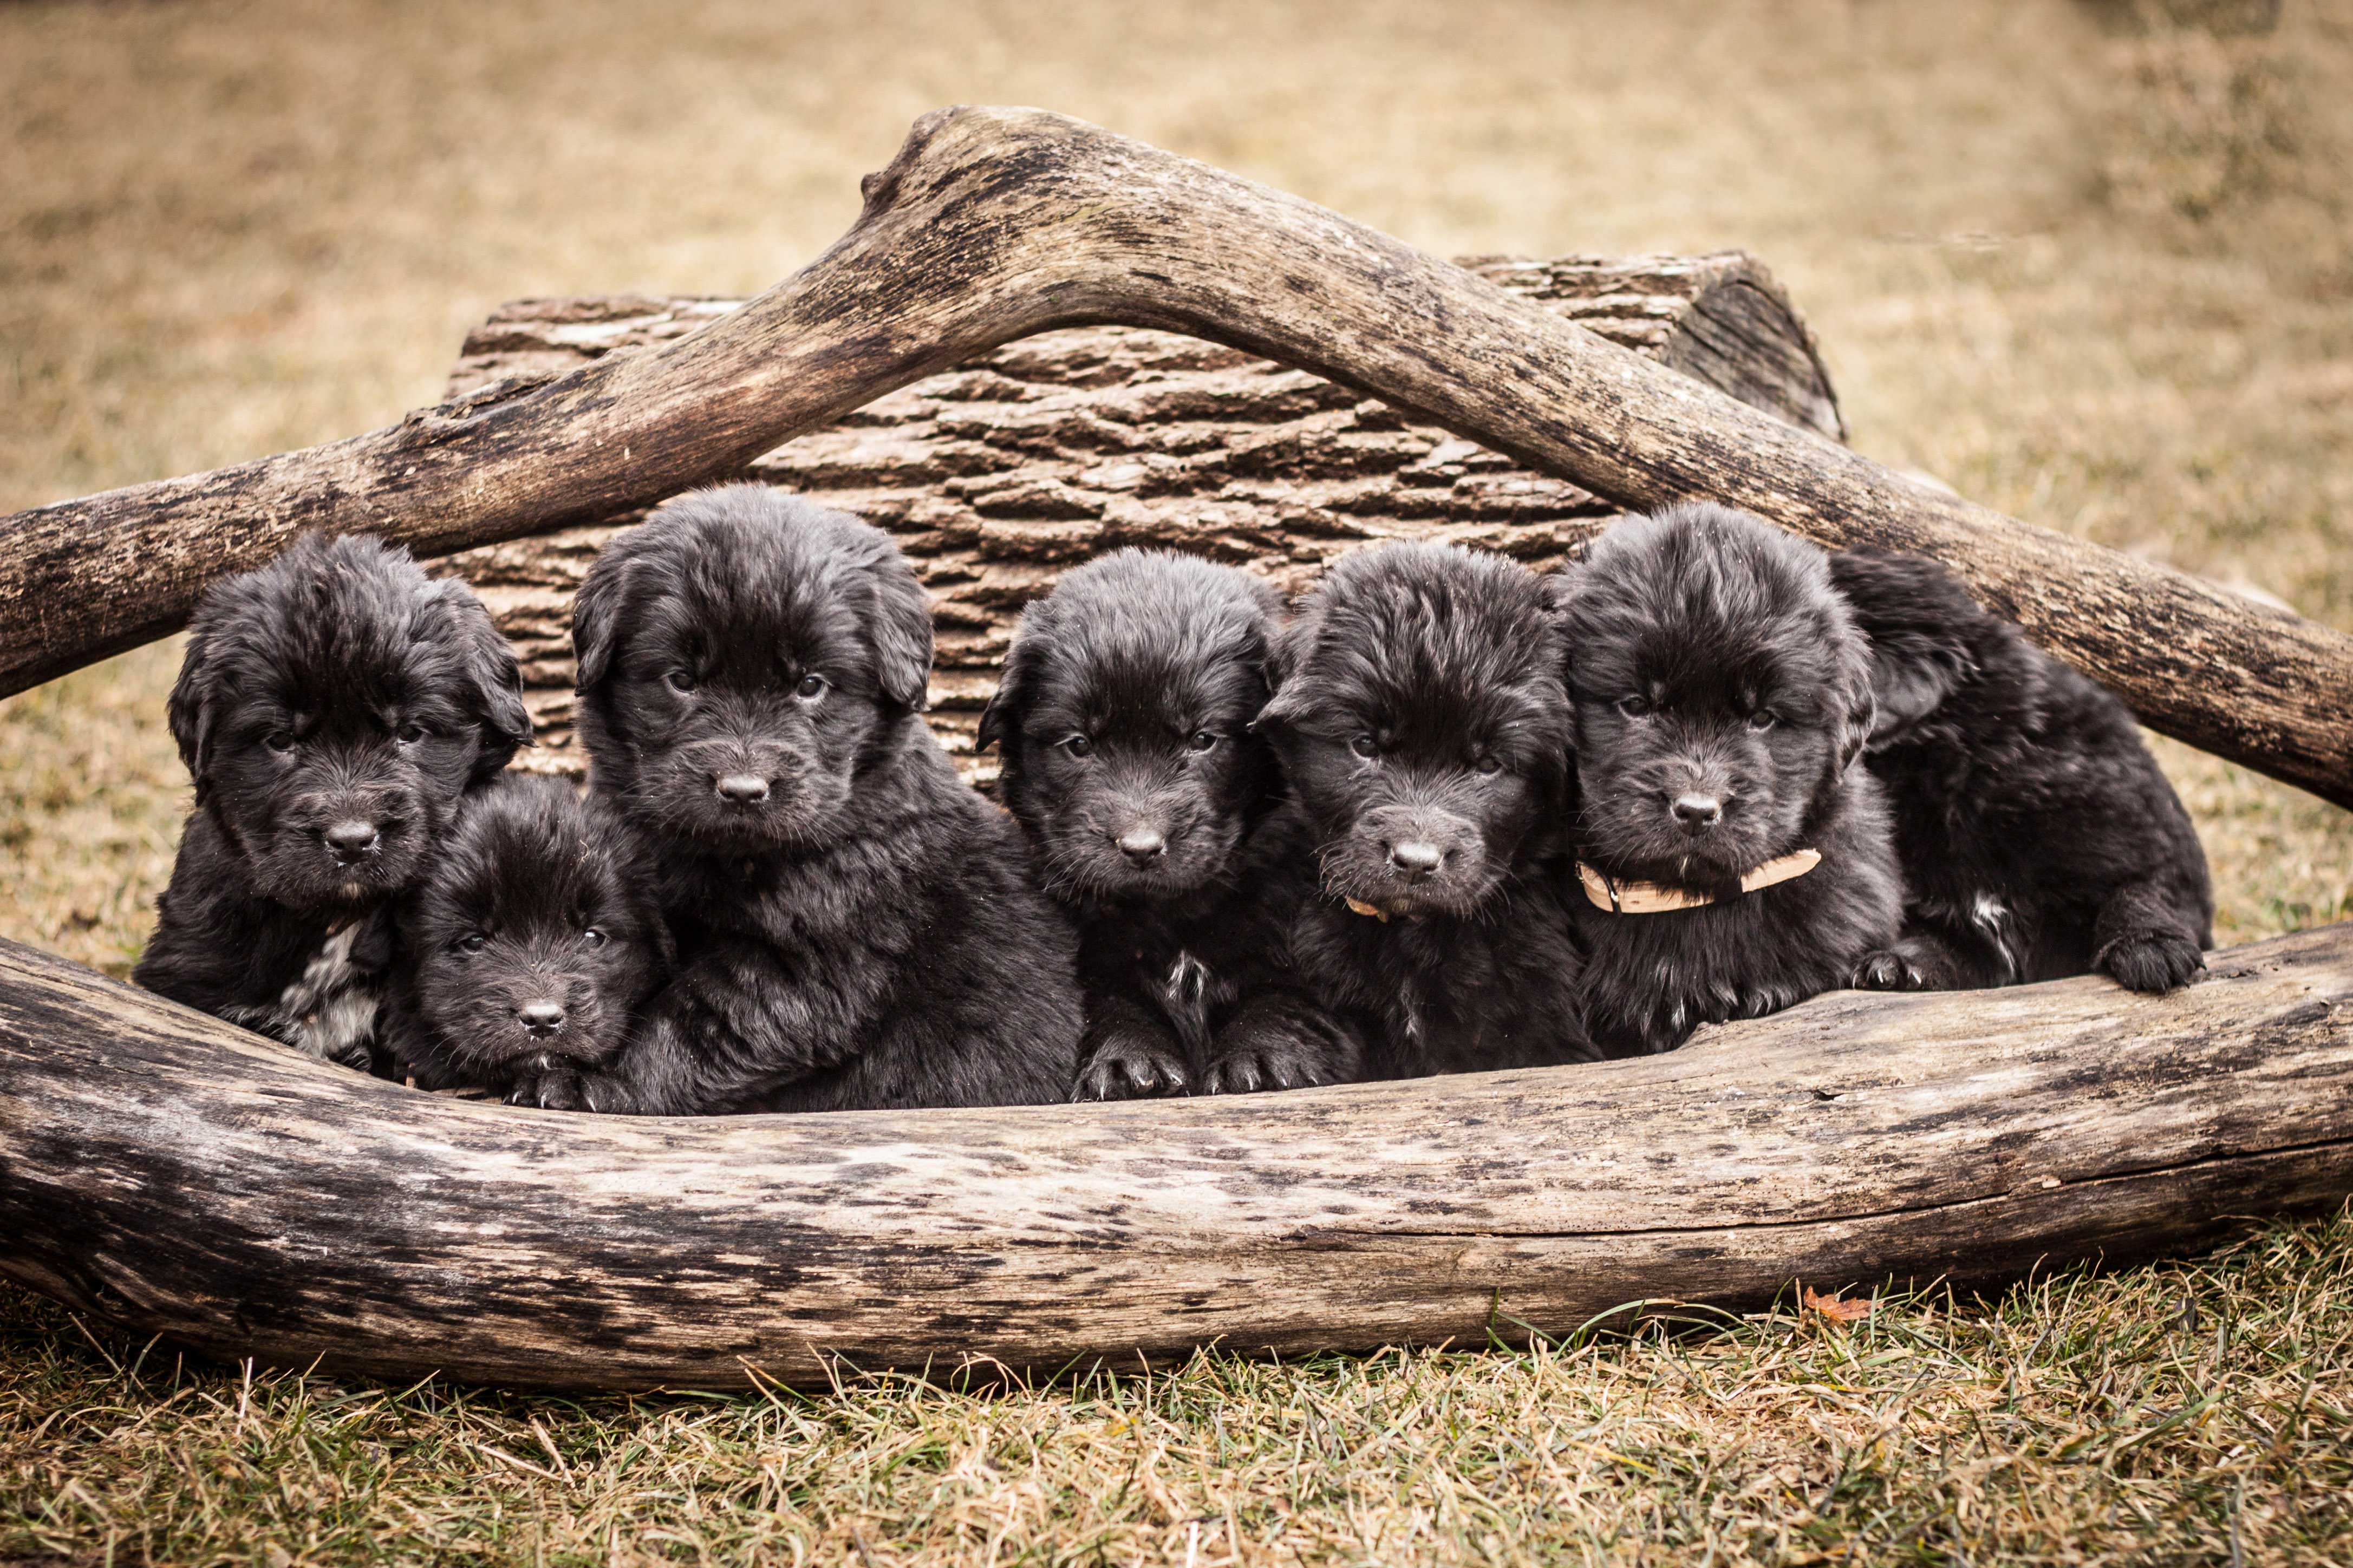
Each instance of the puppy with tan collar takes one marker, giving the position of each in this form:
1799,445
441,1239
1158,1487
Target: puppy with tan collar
1732,858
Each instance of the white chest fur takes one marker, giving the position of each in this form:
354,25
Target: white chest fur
329,1010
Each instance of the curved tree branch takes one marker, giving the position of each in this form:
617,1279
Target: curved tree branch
992,225
174,1175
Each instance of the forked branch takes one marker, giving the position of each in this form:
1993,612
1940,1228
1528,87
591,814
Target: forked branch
992,225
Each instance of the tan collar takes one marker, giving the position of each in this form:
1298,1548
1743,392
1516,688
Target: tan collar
1656,898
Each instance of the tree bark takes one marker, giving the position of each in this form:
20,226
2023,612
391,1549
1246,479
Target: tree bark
993,225
1002,473
173,1176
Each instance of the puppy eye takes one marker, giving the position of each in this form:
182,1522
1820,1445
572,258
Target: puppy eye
1205,740
472,942
811,687
1077,745
594,937
1763,719
1365,746
681,680
1633,707
280,740
1489,766
411,732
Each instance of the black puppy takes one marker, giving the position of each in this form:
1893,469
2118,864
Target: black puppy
1732,858
1157,817
526,947
2038,837
1421,721
332,706
855,926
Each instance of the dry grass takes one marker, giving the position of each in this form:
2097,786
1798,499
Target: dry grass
2189,1413
2084,264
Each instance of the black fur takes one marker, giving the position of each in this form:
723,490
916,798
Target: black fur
1157,817
530,941
1421,721
855,926
1722,696
336,690
2038,837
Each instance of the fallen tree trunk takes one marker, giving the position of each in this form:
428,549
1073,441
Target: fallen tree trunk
993,224
1000,474
172,1175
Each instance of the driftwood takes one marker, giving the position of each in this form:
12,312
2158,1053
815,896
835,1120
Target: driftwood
189,1180
993,225
999,474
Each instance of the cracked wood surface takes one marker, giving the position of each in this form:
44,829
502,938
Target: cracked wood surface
993,224
999,475
173,1176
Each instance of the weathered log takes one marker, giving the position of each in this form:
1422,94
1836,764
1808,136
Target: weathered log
172,1175
999,475
993,224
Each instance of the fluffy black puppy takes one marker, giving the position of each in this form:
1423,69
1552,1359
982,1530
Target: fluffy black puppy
529,942
2038,837
332,706
1421,721
855,926
1157,817
1722,695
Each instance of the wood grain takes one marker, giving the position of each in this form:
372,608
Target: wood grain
997,476
993,224
173,1176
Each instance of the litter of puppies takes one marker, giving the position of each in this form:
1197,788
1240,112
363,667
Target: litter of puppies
1444,816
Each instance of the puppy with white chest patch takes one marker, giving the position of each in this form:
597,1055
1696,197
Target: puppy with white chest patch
1733,857
1421,721
1159,820
333,709
2038,836
856,927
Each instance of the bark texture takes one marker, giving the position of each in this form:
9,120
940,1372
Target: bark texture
997,476
170,1174
993,225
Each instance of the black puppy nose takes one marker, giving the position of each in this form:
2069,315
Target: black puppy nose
1142,845
541,1018
1417,858
744,789
1697,812
350,839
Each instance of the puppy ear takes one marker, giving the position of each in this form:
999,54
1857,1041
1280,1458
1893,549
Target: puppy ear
1862,707
189,712
902,629
596,612
1001,721
1287,647
1908,683
497,678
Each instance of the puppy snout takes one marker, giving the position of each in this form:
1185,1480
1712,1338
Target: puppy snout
1696,811
1142,844
540,1016
1415,859
741,789
351,839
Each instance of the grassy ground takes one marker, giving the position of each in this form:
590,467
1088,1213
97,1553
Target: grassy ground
2085,265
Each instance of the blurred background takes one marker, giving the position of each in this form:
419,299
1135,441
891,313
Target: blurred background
2087,263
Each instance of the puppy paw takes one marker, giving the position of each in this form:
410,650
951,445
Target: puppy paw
1890,970
1254,1065
2150,961
561,1089
1131,1069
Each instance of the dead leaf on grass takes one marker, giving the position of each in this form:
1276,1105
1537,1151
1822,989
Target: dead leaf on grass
1837,1308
